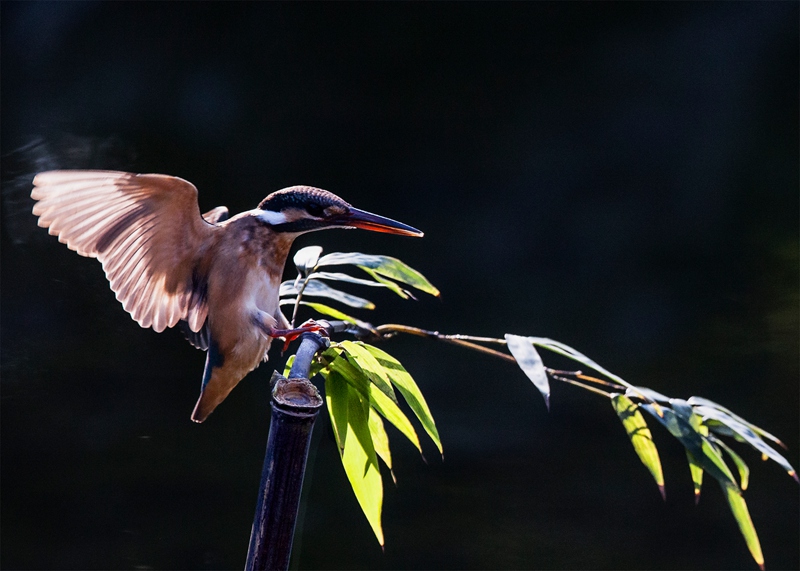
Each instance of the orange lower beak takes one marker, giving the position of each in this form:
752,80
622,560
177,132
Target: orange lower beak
368,221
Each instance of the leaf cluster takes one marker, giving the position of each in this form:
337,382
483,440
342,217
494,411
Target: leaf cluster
361,386
383,272
362,381
697,423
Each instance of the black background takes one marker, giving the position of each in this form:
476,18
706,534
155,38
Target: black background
622,177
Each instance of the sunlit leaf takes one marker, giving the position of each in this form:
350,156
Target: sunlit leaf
700,401
575,355
352,430
360,461
316,288
386,283
640,436
323,309
702,451
682,409
288,366
744,470
686,412
377,281
336,395
530,362
305,260
748,434
404,383
384,265
650,394
722,430
340,277
364,360
742,515
383,404
697,475
380,440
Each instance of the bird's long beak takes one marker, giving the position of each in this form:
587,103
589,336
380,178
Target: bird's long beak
368,221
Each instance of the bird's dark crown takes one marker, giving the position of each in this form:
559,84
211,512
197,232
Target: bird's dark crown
314,200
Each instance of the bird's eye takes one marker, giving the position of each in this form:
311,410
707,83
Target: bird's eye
315,210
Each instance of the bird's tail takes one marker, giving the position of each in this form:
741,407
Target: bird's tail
219,378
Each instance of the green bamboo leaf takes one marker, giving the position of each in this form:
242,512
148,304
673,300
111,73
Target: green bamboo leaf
741,466
686,412
377,281
337,276
377,399
650,394
380,440
325,310
700,401
346,410
384,265
288,366
305,260
530,362
746,527
575,355
336,395
386,283
410,391
748,434
702,451
316,288
360,461
722,430
683,409
711,452
640,436
697,475
363,359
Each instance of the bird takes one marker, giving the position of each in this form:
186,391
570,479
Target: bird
168,264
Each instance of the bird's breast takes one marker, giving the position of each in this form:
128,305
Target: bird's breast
245,281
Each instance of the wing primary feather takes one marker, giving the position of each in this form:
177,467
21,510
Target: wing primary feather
119,227
125,283
145,229
78,204
125,253
84,239
81,221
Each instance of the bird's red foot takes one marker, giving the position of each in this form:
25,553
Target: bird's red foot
290,335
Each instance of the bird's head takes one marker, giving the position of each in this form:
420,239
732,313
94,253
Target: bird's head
299,209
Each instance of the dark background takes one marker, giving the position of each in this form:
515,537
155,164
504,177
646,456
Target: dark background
620,177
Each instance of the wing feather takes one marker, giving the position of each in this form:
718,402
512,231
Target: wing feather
146,230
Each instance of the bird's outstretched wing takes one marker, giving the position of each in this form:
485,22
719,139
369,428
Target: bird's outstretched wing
146,230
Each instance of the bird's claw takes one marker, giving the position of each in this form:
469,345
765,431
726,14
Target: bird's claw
290,335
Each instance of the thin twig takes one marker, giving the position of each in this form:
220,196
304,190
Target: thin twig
465,341
390,329
454,339
297,299
395,328
577,384
478,339
600,381
479,348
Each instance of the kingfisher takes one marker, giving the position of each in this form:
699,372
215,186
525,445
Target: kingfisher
217,276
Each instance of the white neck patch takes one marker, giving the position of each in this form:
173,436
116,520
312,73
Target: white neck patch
270,217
